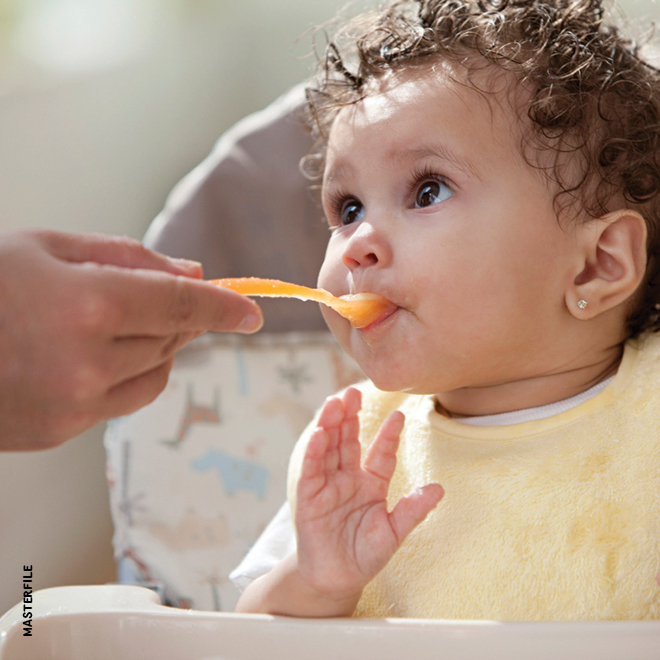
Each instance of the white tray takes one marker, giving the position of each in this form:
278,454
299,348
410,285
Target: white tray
128,623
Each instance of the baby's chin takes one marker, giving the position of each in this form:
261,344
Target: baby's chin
385,375
387,380
339,327
412,389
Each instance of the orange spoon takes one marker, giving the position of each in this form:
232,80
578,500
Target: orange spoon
360,309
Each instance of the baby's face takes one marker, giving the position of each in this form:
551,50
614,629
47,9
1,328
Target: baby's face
432,206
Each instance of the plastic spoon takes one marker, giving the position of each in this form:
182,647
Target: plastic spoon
360,309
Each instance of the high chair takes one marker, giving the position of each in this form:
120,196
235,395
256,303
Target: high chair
196,475
120,622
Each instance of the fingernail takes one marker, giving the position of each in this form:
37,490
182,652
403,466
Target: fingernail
251,323
188,266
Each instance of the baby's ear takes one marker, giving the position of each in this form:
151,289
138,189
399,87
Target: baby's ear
613,263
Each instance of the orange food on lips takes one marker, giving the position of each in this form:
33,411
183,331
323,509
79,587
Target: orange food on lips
361,309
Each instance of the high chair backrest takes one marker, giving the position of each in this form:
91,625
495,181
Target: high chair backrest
197,475
248,211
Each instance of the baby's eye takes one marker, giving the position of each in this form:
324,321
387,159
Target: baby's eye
431,192
351,211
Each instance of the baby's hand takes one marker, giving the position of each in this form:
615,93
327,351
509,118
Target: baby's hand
345,533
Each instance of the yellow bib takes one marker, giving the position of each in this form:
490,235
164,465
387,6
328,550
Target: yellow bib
556,519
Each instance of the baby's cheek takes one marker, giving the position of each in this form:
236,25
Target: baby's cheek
339,326
658,579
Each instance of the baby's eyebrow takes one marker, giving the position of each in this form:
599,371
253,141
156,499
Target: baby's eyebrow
407,156
339,172
440,152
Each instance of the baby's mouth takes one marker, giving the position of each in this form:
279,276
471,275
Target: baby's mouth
363,309
382,308
380,319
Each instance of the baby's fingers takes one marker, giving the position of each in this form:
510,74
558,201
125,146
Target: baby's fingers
413,508
339,419
381,456
313,474
330,420
332,414
349,445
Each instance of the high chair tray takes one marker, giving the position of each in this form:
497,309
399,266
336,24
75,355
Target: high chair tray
128,623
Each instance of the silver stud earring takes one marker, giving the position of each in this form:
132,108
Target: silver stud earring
582,303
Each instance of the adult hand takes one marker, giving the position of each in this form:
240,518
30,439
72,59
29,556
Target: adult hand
89,325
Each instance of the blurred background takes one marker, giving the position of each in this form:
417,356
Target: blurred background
104,106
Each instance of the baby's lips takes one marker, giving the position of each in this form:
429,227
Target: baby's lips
366,308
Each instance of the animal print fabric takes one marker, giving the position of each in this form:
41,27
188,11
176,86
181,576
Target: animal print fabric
197,475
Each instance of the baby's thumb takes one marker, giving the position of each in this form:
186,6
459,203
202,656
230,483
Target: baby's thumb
413,508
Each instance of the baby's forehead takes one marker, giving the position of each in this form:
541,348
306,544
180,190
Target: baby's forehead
462,105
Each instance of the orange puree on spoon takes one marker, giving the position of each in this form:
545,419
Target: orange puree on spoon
360,309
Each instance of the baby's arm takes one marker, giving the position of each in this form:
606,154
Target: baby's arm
345,534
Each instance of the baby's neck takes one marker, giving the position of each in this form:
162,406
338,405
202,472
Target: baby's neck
530,392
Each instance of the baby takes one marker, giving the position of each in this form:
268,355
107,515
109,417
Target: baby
493,169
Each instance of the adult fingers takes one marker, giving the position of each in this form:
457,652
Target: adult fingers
129,357
135,393
115,250
151,303
69,418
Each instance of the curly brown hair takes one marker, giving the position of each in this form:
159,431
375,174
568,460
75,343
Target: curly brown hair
591,94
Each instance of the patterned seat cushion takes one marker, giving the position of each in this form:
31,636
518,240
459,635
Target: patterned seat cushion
197,475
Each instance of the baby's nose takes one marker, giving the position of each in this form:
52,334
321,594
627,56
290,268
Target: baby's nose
367,247
369,259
